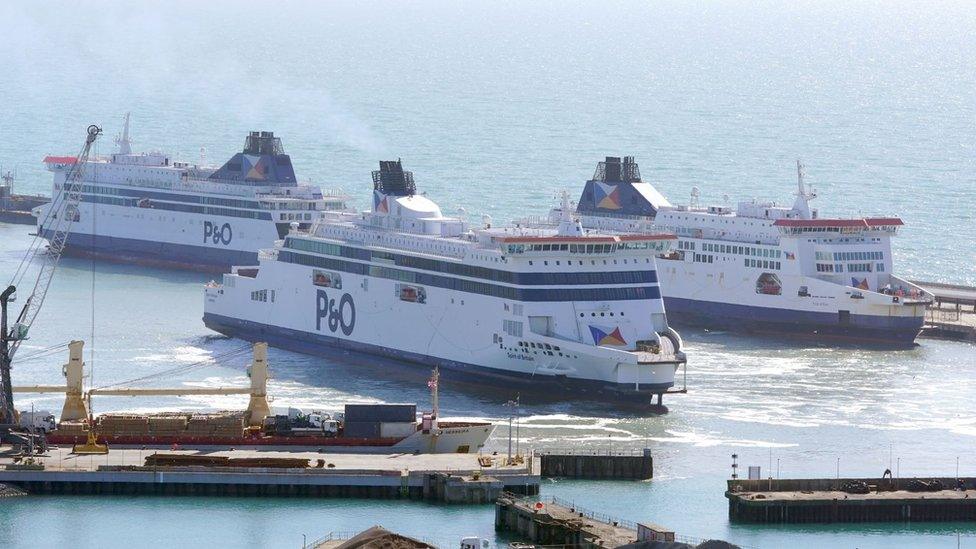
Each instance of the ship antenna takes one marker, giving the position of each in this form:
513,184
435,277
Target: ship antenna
8,180
799,178
568,225
123,142
802,206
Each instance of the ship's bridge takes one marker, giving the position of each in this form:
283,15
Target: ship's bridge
768,210
826,227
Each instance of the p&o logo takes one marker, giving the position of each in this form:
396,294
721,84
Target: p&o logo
217,234
337,316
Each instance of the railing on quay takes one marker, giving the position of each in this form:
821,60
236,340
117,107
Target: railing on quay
561,451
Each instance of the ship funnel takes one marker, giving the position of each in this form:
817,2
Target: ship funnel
262,162
613,170
391,179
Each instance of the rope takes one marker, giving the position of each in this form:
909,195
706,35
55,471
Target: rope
43,353
185,368
91,348
28,258
53,209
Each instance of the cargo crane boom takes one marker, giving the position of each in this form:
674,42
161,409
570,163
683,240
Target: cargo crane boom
62,213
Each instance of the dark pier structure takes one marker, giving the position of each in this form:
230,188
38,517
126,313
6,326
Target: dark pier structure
792,501
596,465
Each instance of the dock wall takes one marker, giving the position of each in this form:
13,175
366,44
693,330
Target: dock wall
825,501
434,486
597,466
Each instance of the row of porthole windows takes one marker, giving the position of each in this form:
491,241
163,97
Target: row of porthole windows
583,315
593,262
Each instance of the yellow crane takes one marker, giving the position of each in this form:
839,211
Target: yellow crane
76,401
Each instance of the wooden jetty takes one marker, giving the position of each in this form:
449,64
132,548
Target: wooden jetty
851,500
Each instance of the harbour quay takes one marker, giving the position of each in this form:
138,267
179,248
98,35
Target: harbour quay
447,478
779,501
556,522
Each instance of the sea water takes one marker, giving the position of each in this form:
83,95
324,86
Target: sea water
497,107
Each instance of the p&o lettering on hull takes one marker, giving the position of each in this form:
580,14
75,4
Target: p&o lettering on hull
336,316
215,234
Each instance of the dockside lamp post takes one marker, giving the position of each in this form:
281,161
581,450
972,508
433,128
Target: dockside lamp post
511,416
518,424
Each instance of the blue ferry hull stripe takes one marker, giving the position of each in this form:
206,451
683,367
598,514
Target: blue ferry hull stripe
316,344
159,253
895,329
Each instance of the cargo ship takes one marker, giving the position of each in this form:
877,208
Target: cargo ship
763,267
375,428
361,428
564,311
17,208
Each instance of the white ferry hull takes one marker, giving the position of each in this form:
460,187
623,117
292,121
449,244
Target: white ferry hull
148,209
709,295
454,330
763,267
164,238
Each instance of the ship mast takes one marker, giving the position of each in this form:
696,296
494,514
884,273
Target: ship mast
432,383
568,225
802,204
8,181
125,147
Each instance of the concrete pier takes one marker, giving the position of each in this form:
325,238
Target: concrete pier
952,315
597,465
838,500
451,478
556,522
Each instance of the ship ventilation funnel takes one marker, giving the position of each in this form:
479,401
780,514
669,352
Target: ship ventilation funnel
391,179
613,170
617,189
262,162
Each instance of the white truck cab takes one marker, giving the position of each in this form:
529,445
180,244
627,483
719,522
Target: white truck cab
42,421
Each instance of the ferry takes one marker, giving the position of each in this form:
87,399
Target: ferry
150,209
764,267
561,309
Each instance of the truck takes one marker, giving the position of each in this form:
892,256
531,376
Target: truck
42,421
298,423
